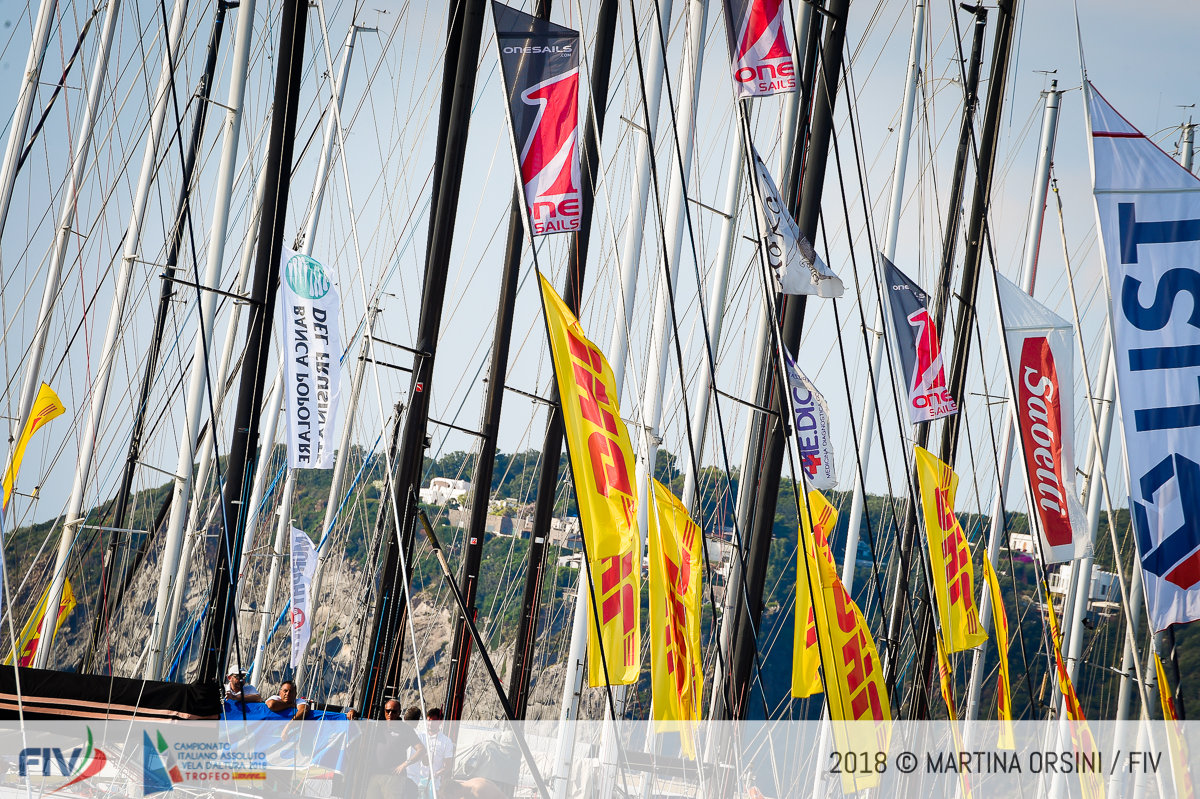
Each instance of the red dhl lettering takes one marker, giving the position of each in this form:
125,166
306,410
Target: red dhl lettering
957,579
864,692
618,600
609,469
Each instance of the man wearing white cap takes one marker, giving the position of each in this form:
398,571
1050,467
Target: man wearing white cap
237,690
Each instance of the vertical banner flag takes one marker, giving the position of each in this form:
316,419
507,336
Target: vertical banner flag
813,435
602,467
46,406
794,264
847,654
1040,347
304,566
1003,685
540,62
312,367
31,633
1176,745
1082,740
677,676
919,349
949,555
758,47
1148,210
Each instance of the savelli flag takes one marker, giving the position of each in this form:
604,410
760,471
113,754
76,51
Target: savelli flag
1003,685
676,549
1176,744
46,406
602,466
918,346
1081,735
1148,209
853,673
758,47
31,633
794,264
813,435
312,367
304,566
540,61
949,555
1040,346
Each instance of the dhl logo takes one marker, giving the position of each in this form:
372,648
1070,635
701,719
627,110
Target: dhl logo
618,601
610,471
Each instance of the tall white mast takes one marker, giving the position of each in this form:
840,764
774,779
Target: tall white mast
283,523
133,240
24,109
222,194
1033,238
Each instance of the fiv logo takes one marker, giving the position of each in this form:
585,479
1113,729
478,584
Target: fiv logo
1175,559
79,764
307,277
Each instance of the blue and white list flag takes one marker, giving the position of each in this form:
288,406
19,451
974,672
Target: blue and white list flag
304,567
312,367
813,435
795,266
1148,210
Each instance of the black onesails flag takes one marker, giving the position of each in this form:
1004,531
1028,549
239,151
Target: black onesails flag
540,62
758,47
919,348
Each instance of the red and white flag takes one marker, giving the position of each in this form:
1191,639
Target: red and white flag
1040,350
918,346
540,62
758,47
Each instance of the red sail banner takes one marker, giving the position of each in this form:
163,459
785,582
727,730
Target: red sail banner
758,47
918,347
1040,349
540,62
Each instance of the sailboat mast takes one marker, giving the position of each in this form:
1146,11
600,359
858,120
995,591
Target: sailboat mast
1041,185
866,419
290,65
116,551
771,465
222,199
458,87
481,481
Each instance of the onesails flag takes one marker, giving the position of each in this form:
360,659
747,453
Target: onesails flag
813,435
918,346
758,47
1148,210
312,367
1040,346
794,264
540,61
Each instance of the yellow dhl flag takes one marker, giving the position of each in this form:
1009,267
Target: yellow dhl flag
853,672
1081,735
1176,744
1003,686
46,406
946,678
31,633
806,655
949,555
602,466
676,547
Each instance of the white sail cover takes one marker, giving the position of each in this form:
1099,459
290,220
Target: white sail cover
304,566
794,264
1148,209
1041,357
813,434
312,367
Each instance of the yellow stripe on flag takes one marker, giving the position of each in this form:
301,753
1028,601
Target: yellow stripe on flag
677,677
1081,735
1176,745
1003,685
602,466
46,406
949,555
31,633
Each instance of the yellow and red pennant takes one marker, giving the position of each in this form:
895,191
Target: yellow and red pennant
1082,740
1176,745
602,465
1003,685
46,406
31,633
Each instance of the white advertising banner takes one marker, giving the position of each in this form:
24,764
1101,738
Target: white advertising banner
1041,348
312,369
813,435
1148,210
304,566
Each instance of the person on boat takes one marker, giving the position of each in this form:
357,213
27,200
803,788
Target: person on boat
238,690
440,755
288,700
386,742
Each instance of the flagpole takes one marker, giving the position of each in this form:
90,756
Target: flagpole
74,515
1033,236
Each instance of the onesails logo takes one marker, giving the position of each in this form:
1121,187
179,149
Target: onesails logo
306,277
548,163
82,762
762,60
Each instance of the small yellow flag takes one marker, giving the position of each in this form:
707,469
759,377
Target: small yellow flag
31,633
1176,745
1003,686
46,406
1082,740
